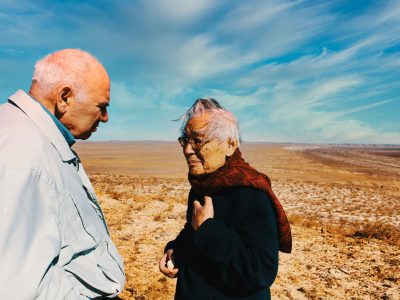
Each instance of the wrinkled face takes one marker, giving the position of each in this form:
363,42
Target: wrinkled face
207,156
82,118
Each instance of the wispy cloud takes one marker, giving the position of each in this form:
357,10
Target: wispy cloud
290,70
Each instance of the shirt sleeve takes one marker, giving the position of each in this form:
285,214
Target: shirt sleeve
246,258
29,238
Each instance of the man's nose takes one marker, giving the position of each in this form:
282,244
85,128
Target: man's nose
104,116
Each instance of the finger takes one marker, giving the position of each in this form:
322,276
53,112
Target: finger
161,266
172,273
163,258
196,204
166,272
169,254
208,201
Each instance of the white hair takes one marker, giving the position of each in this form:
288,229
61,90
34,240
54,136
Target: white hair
222,124
65,67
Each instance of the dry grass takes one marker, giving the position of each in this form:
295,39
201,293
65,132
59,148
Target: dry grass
345,222
359,230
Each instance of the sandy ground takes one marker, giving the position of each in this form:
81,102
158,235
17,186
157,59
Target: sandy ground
343,203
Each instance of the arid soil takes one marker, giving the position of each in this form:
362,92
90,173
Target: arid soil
343,203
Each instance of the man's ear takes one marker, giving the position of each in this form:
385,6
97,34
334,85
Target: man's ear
64,98
232,146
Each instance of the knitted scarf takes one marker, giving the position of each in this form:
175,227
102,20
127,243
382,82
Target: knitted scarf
237,172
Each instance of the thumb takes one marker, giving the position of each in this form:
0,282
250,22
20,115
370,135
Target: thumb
208,201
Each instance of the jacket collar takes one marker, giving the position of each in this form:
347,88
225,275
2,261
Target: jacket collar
44,122
64,131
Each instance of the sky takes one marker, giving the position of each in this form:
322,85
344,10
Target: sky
290,71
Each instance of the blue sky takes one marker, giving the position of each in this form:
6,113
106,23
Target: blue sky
297,71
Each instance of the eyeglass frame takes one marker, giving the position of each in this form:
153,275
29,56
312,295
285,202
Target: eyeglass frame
184,141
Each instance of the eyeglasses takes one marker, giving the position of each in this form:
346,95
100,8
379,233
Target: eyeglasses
196,143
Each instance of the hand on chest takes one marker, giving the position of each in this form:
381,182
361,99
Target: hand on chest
227,207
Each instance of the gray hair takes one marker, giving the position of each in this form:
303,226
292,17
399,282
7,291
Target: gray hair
222,124
68,66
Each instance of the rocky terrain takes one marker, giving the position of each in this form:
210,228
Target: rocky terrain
343,204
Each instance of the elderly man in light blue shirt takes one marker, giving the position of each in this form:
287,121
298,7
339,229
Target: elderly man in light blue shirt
54,241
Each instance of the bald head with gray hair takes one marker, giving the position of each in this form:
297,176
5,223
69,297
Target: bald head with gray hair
222,124
73,86
67,67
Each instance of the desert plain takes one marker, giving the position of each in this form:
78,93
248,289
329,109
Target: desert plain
343,202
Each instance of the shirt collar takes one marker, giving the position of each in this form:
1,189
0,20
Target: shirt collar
64,131
45,122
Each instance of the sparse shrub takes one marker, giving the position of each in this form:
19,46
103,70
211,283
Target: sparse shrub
375,230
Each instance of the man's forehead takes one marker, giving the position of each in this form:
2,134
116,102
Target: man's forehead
104,96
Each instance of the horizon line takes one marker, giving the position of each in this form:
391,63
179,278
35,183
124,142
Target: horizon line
242,142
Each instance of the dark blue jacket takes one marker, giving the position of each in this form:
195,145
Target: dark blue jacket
232,256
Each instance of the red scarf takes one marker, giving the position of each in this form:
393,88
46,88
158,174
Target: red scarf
236,172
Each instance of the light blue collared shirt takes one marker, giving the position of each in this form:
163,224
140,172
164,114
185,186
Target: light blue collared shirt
64,131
